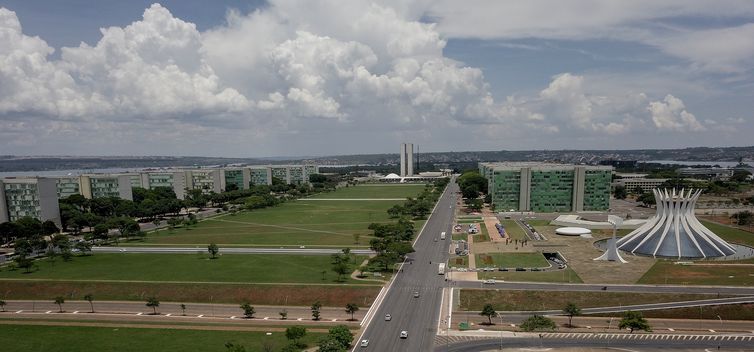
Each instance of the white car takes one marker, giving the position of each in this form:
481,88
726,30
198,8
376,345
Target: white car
490,281
364,343
404,334
416,294
388,317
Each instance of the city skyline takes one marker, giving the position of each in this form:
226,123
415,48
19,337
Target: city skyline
282,78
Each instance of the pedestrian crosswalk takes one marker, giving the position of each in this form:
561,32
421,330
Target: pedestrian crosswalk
658,337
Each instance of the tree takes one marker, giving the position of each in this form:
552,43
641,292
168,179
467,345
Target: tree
248,310
83,247
153,303
59,300
538,323
283,314
571,310
633,321
620,192
213,250
295,333
183,309
89,298
743,218
316,309
470,192
342,263
49,228
233,347
2,305
24,263
330,344
9,231
342,334
647,198
352,308
488,311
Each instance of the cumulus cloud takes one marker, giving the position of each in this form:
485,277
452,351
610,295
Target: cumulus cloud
670,114
318,67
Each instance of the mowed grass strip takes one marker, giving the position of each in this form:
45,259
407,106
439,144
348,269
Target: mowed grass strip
97,339
273,295
475,299
565,275
514,231
731,234
247,268
511,260
297,223
665,272
374,192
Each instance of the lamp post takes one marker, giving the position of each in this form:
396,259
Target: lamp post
501,330
721,322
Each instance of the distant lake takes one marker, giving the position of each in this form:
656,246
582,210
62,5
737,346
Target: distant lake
67,172
690,163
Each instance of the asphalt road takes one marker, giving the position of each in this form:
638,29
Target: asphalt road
629,345
417,316
723,290
229,250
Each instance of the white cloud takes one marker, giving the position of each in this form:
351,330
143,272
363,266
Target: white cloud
670,114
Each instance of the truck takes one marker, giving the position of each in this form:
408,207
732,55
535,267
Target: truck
441,269
442,235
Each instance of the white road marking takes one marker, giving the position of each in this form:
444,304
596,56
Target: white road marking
233,317
75,312
169,314
335,320
300,319
48,312
200,315
266,318
671,329
139,313
20,311
710,330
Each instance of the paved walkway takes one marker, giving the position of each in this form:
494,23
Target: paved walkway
472,257
369,199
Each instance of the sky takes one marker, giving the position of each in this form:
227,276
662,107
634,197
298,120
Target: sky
327,77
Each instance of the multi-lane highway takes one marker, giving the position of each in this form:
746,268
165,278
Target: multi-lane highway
532,286
416,315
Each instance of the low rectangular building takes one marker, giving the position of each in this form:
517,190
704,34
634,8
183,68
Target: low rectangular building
36,197
548,188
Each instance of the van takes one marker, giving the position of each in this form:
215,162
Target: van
442,235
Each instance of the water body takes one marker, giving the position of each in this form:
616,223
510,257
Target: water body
692,163
73,172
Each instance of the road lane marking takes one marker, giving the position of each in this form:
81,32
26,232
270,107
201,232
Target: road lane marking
266,318
169,314
200,315
671,329
335,320
300,319
139,313
710,330
233,317
48,312
19,311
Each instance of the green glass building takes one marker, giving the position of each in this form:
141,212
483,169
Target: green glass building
548,188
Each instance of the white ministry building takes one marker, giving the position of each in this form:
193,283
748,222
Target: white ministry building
407,159
674,230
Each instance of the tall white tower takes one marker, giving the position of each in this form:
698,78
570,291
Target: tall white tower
407,159
674,231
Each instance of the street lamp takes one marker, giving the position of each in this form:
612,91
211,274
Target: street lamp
721,322
501,330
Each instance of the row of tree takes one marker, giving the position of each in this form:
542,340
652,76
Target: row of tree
631,320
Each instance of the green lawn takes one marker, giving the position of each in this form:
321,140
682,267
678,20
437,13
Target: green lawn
715,274
482,236
511,260
731,234
535,222
458,261
460,236
513,230
326,223
37,338
515,300
566,275
241,268
374,191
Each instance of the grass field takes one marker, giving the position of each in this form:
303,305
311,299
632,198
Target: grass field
567,275
458,262
714,274
535,222
278,294
482,236
731,234
460,236
727,312
328,223
511,260
374,191
39,338
513,230
474,299
264,268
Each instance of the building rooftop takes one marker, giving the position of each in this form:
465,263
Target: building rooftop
540,165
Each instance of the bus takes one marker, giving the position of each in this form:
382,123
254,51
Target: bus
441,269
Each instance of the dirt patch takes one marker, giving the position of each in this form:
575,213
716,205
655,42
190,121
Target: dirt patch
486,259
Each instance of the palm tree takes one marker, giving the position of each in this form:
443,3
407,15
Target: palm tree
59,300
153,303
351,308
90,298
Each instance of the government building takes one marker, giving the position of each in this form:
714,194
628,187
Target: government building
547,188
